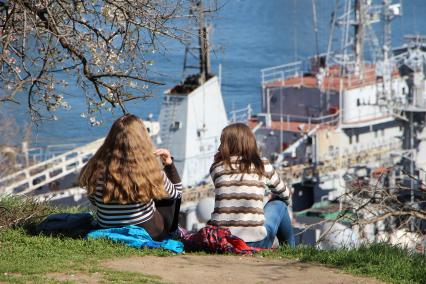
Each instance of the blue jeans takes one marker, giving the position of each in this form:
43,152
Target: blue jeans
277,223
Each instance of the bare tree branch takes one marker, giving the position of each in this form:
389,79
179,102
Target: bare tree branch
104,46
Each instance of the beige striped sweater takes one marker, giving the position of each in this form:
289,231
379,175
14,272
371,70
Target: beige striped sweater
239,199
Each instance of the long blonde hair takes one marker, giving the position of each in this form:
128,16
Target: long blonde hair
126,164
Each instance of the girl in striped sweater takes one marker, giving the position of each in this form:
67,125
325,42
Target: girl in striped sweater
125,183
240,177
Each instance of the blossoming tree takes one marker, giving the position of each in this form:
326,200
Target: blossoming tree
105,46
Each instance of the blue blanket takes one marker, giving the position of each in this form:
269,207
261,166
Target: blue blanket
135,236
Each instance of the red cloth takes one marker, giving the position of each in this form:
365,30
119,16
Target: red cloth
217,240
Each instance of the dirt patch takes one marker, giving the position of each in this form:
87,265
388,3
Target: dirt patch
12,276
78,277
233,269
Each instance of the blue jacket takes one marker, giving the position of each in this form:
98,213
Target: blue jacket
135,236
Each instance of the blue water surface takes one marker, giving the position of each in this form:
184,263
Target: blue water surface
248,35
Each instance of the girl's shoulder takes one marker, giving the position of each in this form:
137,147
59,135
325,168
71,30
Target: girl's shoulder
215,166
223,165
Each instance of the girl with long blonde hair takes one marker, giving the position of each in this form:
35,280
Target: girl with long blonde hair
125,183
240,177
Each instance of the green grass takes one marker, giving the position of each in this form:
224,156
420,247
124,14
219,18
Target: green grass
25,258
24,212
382,261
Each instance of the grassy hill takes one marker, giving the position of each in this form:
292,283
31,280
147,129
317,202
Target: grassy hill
26,258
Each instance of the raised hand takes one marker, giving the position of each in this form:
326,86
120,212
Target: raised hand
165,156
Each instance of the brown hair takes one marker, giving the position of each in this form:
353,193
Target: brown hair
126,163
238,140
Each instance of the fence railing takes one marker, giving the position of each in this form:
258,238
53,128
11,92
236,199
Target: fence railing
240,115
282,72
40,154
330,119
40,174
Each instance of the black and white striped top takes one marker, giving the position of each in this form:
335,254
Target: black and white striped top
113,214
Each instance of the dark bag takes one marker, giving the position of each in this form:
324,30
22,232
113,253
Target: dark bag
74,225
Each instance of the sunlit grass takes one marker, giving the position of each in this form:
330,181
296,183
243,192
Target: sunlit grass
25,258
385,262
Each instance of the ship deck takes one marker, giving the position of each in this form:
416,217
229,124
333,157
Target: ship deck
332,81
292,126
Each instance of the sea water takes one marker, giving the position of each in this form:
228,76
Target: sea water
247,35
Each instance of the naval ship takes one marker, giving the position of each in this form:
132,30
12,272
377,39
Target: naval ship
346,115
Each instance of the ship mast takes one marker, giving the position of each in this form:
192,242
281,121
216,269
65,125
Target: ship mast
359,15
315,22
387,39
387,65
359,28
204,45
203,66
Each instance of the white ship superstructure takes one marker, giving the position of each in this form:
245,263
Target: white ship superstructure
346,104
338,114
193,114
191,124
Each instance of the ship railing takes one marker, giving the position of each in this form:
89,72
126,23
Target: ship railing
353,77
282,72
336,158
368,76
39,154
330,119
58,149
40,174
240,115
417,103
35,155
31,156
293,173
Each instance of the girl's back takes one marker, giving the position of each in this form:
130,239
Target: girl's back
240,178
126,184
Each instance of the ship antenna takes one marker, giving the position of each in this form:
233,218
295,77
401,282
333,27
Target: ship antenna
359,27
314,12
387,40
204,45
330,38
387,49
197,8
295,39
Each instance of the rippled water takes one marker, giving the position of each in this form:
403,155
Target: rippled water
248,35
